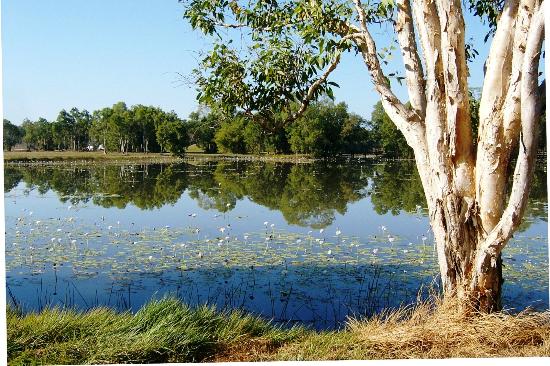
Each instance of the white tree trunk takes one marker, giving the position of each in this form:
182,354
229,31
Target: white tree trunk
466,193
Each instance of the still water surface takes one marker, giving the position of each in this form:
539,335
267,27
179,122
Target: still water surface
310,243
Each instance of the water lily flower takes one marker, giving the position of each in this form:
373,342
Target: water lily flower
375,250
265,223
338,232
391,239
321,231
329,252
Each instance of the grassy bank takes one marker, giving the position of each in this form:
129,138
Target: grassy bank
96,156
168,331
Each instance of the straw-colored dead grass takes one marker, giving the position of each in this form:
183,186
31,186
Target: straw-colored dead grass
430,329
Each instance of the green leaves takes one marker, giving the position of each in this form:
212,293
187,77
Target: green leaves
288,44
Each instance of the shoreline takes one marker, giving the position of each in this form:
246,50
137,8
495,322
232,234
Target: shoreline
57,157
167,330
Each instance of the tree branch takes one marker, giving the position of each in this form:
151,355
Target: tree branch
396,110
312,90
457,104
511,107
413,66
490,162
531,110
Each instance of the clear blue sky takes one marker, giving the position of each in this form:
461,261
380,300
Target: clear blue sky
91,54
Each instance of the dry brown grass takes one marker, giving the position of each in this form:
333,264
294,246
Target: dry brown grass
430,329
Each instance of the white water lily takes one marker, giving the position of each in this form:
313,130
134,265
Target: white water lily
338,232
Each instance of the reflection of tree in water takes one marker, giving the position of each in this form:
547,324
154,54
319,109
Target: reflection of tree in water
306,194
12,177
396,187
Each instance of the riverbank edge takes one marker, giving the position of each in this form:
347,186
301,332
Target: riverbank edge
86,157
167,330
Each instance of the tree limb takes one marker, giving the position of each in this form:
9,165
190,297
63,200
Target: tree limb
396,110
311,91
457,104
413,66
511,107
490,162
531,110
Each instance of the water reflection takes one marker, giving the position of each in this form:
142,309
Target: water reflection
306,194
126,233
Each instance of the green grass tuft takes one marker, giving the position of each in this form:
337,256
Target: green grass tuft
162,331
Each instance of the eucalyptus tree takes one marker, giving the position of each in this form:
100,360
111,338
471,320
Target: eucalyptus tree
202,125
12,135
294,46
30,133
81,128
145,119
172,134
387,137
63,131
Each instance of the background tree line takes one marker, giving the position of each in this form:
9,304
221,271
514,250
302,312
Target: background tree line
118,128
325,129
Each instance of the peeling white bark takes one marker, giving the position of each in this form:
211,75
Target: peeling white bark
466,194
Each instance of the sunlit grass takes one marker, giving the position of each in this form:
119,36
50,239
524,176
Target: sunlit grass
162,331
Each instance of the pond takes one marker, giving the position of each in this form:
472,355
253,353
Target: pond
309,243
